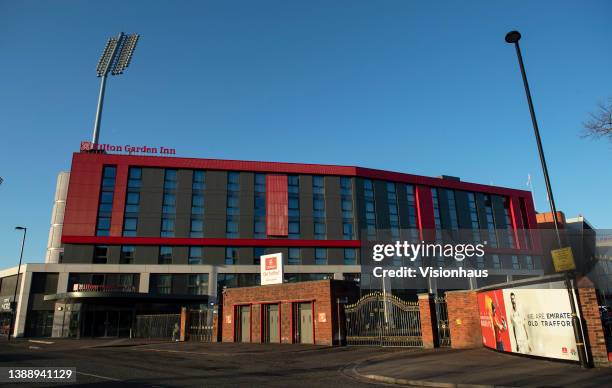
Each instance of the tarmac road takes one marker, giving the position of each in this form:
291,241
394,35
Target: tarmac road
126,363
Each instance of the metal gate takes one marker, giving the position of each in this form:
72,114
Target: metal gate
444,339
383,320
163,326
201,325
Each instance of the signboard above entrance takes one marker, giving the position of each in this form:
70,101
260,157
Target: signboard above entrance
271,269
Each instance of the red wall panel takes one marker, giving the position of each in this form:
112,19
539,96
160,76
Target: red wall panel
82,198
425,212
277,211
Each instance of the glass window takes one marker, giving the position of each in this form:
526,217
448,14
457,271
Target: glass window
257,253
370,209
129,226
165,255
321,256
134,177
127,254
164,284
319,230
350,258
167,227
295,256
452,209
105,203
198,182
496,261
170,179
474,220
529,262
515,262
490,222
196,255
231,255
198,284
100,254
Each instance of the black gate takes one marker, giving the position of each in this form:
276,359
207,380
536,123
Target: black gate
201,325
383,320
159,326
444,339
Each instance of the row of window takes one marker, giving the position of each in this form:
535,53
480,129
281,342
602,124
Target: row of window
410,222
197,255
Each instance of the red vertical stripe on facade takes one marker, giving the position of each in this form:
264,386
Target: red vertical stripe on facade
82,199
119,200
277,211
425,213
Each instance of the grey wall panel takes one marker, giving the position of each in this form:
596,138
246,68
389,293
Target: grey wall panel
113,254
308,256
215,202
247,204
245,256
382,208
151,197
146,254
333,208
180,255
214,255
306,222
183,203
335,256
78,253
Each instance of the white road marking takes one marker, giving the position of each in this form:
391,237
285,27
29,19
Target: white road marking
98,376
41,342
34,347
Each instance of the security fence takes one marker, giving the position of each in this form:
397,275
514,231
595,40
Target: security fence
158,326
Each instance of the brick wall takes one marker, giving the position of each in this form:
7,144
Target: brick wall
594,330
428,320
463,319
322,294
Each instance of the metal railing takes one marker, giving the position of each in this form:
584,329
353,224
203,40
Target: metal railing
159,326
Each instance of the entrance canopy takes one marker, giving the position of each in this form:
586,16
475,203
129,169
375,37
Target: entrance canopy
136,297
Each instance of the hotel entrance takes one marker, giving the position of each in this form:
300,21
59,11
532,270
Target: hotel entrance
101,321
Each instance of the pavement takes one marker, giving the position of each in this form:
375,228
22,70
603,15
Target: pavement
478,368
134,363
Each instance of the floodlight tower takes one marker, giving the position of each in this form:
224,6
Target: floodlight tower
115,59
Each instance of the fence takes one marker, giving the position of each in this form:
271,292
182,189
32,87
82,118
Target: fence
160,326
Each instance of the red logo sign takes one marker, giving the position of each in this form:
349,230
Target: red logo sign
564,350
270,263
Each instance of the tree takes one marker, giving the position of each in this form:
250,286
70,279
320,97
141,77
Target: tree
600,124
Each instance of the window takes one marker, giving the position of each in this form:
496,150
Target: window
231,255
105,205
393,211
529,262
475,222
257,253
490,222
509,232
496,261
321,256
412,213
169,204
370,208
233,204
127,254
437,216
515,262
350,257
165,255
295,256
196,255
346,193
318,207
259,219
452,209
293,189
197,204
100,254
132,202
480,263
164,284
198,284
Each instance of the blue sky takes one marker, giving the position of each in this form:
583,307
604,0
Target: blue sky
428,88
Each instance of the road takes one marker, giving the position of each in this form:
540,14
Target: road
125,363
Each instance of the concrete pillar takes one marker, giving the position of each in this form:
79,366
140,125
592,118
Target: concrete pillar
143,283
429,323
23,296
183,325
61,316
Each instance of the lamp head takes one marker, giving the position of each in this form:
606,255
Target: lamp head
513,37
20,228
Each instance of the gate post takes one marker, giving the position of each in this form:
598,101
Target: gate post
464,319
183,326
429,325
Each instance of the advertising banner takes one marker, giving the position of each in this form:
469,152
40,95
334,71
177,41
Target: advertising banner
271,269
530,321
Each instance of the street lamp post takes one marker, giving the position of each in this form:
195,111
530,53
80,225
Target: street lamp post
513,37
14,309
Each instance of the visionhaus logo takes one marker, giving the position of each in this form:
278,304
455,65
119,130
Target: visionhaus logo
412,252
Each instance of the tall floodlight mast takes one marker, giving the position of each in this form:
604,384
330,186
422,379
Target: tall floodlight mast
115,59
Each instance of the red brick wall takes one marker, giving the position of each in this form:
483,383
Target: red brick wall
592,319
463,319
427,320
322,293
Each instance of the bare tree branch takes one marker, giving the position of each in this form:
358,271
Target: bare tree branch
600,124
